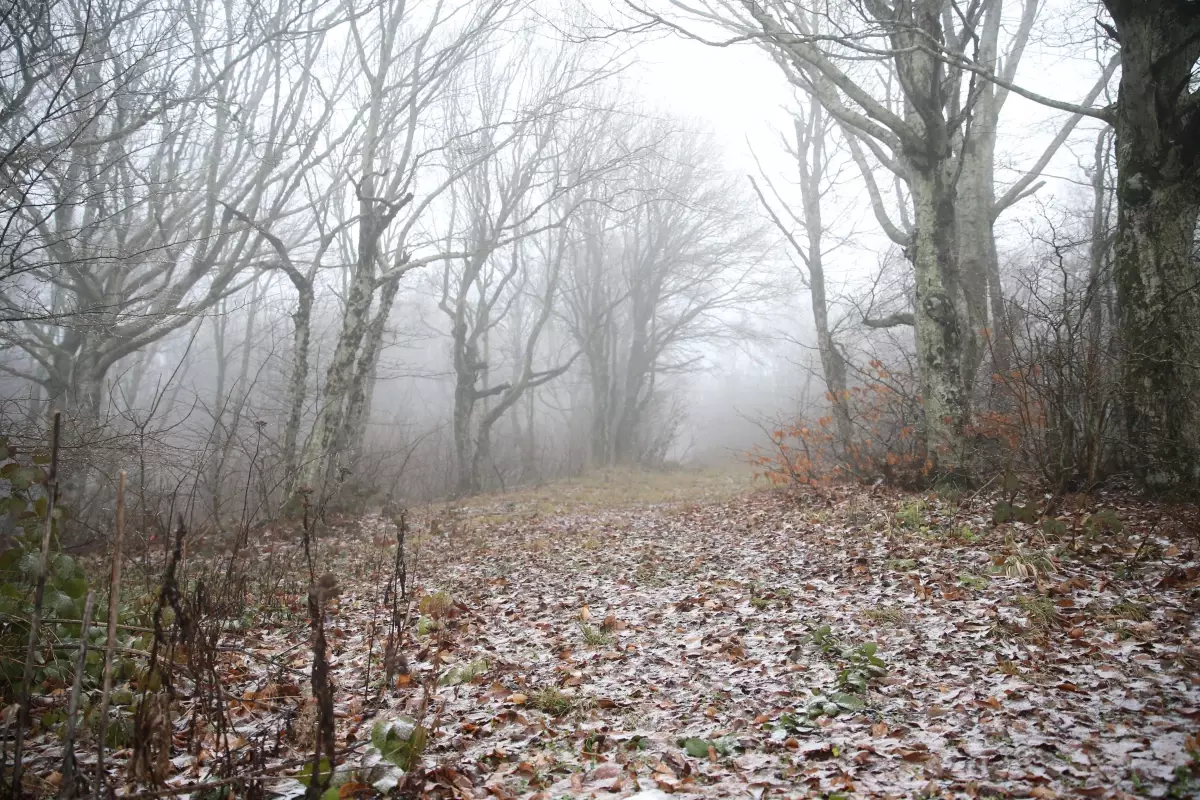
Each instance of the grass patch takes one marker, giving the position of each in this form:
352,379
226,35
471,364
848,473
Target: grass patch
891,615
1039,610
552,701
973,581
966,534
911,515
594,637
616,488
1024,564
1128,609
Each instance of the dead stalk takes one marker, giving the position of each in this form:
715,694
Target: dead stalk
69,770
323,694
393,590
114,602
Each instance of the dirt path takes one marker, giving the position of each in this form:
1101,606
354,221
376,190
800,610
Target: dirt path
765,647
633,634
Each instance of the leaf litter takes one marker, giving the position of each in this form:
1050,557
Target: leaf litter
829,643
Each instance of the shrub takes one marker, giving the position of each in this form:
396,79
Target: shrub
23,511
886,442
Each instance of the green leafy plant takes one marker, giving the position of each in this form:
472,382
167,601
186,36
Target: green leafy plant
464,673
400,741
822,636
26,508
863,665
911,515
699,748
858,664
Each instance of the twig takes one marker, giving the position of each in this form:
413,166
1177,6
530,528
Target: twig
114,601
322,693
69,772
39,597
118,626
229,648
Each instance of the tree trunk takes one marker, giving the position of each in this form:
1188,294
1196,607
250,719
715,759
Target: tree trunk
328,430
810,140
976,247
362,384
1156,268
298,381
939,314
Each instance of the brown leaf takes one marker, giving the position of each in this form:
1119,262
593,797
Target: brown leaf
605,772
916,754
611,623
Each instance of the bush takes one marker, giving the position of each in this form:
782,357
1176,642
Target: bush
23,506
886,442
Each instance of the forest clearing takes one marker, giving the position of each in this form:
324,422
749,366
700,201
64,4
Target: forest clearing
690,635
562,399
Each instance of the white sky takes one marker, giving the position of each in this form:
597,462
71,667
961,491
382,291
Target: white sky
740,94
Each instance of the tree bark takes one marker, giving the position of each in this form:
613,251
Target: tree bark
298,379
1156,268
939,314
362,385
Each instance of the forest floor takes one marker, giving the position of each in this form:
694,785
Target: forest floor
687,634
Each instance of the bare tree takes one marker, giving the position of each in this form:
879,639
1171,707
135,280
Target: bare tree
916,120
408,58
654,276
517,208
119,217
812,131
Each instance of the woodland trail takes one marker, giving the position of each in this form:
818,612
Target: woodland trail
840,643
691,636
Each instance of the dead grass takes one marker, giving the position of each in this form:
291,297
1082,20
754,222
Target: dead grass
612,489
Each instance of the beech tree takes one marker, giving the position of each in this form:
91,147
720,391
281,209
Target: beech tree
407,58
1157,266
652,277
918,120
525,113
812,132
119,187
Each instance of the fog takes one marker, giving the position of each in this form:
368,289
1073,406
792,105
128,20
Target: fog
374,249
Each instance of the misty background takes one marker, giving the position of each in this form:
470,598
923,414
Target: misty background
256,251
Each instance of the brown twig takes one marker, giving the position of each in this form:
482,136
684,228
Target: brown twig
69,770
114,604
322,693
